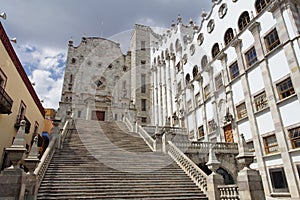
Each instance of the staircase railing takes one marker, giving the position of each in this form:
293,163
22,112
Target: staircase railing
56,142
203,147
148,139
228,192
45,160
128,123
188,166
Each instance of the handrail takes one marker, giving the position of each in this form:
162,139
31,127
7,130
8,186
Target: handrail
188,166
48,154
128,123
228,192
148,139
45,160
64,133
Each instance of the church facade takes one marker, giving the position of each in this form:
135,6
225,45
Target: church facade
237,72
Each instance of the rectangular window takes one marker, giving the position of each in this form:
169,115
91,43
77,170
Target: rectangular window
143,101
218,81
190,106
206,91
143,83
179,88
261,101
241,111
144,119
278,180
79,113
198,98
251,57
294,135
272,40
251,146
143,45
285,88
200,132
191,135
270,143
234,71
143,63
3,79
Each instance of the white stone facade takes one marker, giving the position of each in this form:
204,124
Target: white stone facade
237,73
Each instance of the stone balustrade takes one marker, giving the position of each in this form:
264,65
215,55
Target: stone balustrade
188,166
45,160
203,147
228,192
56,142
148,139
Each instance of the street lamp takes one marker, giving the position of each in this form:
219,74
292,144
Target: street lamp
3,15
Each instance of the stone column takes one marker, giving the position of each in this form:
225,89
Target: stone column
166,92
214,179
255,30
170,88
249,181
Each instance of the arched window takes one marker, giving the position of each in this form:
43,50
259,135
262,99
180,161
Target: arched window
204,61
187,78
261,4
195,71
243,20
215,50
228,36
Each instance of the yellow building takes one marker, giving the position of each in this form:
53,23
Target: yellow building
18,99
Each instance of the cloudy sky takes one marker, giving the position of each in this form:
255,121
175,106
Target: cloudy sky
44,27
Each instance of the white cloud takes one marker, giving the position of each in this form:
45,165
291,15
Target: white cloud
45,68
48,89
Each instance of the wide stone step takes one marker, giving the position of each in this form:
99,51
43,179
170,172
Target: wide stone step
105,161
84,195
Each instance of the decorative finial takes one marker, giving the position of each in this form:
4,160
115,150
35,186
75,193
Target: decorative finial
173,24
204,13
191,22
71,41
179,19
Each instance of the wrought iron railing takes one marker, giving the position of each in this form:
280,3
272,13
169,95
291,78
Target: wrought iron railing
188,166
5,102
228,192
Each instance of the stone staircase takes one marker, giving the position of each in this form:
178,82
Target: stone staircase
103,160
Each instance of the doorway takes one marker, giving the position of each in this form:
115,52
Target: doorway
98,115
228,134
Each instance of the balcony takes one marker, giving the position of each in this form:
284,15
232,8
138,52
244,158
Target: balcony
19,119
5,102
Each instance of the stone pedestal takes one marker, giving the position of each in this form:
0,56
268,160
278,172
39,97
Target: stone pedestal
249,181
250,185
158,142
12,184
213,180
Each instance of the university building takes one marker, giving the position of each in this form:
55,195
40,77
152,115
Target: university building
236,73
